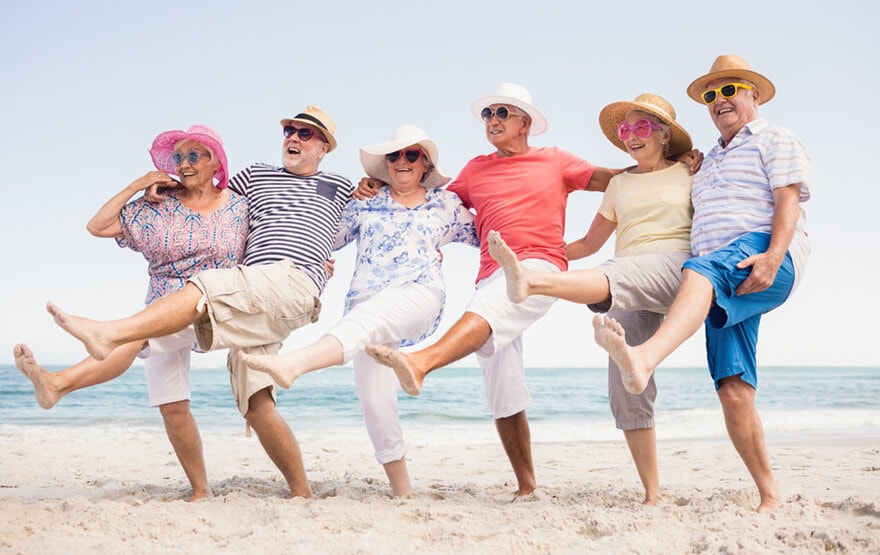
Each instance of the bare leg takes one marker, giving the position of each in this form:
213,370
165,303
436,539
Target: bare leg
685,316
579,286
51,387
279,442
166,316
398,477
643,448
517,441
747,434
182,431
464,337
286,368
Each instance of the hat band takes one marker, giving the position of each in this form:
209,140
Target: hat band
313,119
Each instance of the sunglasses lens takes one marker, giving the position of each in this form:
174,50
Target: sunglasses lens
288,130
728,91
392,156
486,114
192,156
709,97
304,133
413,155
177,158
502,113
642,128
623,131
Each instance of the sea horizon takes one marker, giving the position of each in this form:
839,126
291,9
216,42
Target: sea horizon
569,404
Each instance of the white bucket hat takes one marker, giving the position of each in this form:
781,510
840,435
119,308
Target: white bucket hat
513,95
375,165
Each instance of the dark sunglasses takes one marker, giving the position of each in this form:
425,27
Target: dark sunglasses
501,112
411,155
727,91
192,157
304,133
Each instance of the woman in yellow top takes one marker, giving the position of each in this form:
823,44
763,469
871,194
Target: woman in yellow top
649,208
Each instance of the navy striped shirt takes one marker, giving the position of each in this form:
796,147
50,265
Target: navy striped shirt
291,216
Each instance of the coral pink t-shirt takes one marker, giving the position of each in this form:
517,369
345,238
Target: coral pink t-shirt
524,198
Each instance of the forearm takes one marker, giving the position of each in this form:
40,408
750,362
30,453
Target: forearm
105,222
785,219
600,178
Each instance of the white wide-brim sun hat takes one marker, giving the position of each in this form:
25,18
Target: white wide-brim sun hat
375,165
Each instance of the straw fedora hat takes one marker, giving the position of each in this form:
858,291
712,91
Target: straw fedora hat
611,116
731,65
375,165
162,150
513,95
317,118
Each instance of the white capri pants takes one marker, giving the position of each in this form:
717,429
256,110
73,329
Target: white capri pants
394,313
500,357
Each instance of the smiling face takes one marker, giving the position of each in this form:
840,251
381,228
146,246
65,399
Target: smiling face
511,135
731,114
199,173
301,157
648,151
406,175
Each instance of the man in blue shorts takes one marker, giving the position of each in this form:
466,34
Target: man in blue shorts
294,213
750,249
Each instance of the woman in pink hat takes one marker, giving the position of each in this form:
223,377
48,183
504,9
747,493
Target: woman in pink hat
199,224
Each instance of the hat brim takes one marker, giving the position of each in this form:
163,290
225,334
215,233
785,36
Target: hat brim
162,152
611,116
374,163
331,140
539,122
766,89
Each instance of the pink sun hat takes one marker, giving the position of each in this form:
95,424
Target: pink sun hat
163,149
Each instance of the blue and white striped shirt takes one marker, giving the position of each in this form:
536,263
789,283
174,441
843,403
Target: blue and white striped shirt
733,191
291,216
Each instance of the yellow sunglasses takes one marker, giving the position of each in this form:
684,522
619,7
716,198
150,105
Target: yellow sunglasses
727,91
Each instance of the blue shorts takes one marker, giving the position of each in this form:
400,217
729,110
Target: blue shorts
732,324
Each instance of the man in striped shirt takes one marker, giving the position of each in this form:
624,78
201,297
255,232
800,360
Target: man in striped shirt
750,248
294,212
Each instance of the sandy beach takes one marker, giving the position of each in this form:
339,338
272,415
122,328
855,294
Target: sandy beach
111,490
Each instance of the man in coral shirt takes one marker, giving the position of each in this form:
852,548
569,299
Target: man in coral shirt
520,191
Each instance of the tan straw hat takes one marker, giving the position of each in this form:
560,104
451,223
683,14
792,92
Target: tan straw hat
374,163
611,116
733,66
317,118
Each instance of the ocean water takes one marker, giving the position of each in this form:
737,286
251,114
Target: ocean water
570,404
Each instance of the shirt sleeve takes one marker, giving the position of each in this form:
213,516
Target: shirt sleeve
786,162
349,224
609,200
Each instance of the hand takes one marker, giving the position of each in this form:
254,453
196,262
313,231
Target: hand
763,274
367,188
330,267
693,159
154,184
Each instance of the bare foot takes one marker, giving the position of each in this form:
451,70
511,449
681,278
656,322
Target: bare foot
611,336
397,361
514,272
46,395
768,505
202,494
273,365
87,331
527,497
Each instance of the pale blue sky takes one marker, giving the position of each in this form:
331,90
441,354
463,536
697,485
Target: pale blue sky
87,85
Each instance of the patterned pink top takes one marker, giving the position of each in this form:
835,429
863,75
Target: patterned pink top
179,243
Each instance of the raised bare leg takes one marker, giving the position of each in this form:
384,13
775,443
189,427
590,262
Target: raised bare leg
166,316
183,433
611,336
51,387
578,286
467,335
517,441
286,368
747,434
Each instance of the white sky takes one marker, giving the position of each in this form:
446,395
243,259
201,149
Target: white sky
85,86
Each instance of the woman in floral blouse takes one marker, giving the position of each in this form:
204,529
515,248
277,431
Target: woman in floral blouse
397,292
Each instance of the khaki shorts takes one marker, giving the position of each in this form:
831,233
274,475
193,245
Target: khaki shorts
253,309
249,306
642,282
